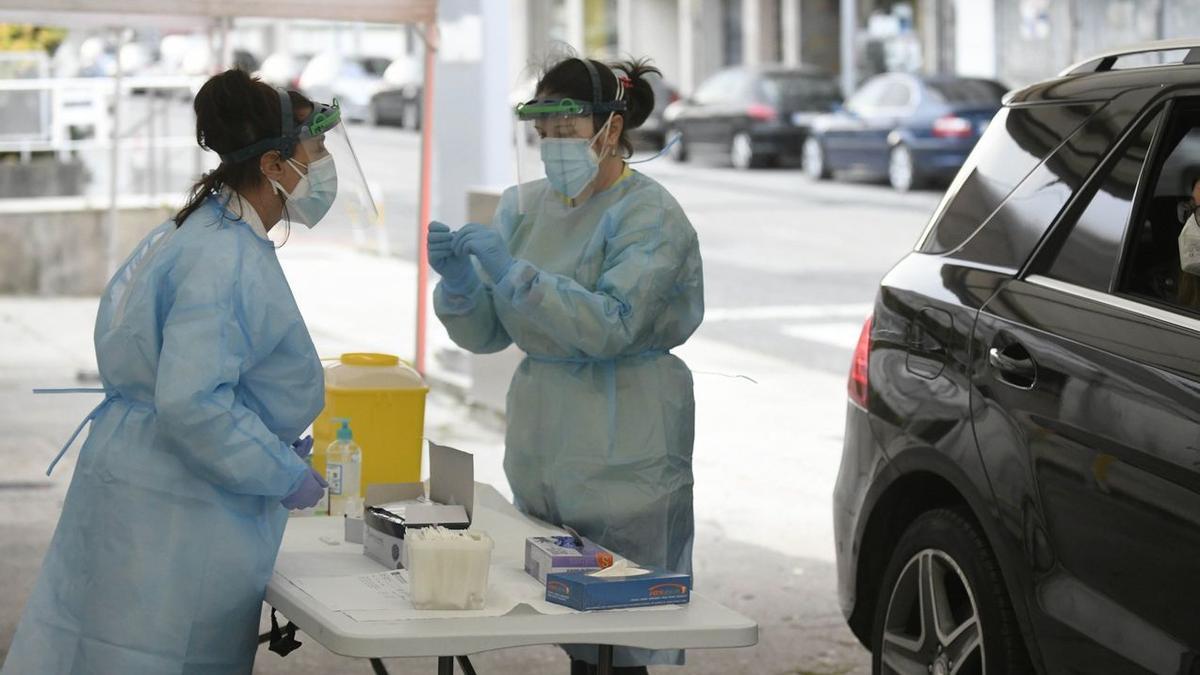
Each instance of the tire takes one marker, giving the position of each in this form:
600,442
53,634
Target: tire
943,561
741,153
678,152
902,170
815,166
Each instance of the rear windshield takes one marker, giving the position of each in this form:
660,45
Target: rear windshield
969,92
801,91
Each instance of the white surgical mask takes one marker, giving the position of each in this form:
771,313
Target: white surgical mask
571,163
314,193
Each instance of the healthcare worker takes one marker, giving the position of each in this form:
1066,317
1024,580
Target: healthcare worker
595,273
170,527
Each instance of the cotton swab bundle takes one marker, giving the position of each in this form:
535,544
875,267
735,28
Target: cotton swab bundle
448,569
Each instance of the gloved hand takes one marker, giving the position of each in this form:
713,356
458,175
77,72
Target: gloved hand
458,274
487,246
303,447
308,494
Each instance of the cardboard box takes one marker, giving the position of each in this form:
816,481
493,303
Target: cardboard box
550,555
450,503
584,592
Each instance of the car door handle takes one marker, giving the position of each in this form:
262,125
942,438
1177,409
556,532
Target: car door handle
1015,365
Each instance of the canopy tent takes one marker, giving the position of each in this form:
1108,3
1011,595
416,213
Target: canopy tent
143,12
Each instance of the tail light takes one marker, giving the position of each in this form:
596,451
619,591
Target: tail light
952,126
673,97
860,366
760,112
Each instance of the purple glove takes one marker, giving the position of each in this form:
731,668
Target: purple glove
303,447
308,494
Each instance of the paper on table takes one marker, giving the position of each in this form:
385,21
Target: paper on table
381,590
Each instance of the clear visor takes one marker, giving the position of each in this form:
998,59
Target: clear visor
338,194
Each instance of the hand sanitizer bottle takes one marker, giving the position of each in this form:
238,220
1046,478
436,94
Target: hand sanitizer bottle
343,472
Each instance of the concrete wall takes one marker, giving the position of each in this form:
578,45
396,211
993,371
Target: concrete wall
63,250
975,39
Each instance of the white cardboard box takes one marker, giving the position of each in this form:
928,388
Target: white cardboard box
451,484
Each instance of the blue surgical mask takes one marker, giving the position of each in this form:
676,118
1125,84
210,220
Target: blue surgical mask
571,163
314,193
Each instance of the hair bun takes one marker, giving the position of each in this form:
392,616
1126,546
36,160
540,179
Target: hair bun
639,94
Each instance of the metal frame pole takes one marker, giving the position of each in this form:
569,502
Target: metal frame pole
427,121
115,164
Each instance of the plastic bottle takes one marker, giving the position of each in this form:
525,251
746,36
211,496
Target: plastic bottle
343,472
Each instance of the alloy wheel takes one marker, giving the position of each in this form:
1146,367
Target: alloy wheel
742,152
932,625
900,169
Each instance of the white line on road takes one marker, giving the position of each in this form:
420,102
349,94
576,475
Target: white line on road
788,312
841,335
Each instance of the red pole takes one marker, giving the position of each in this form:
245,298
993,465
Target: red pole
426,193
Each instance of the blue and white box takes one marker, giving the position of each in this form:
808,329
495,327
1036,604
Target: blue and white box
587,591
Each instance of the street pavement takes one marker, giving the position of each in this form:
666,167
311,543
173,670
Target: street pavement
791,269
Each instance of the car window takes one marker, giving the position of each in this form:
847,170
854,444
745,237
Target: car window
1014,144
1153,269
966,92
897,95
1088,246
869,96
719,89
800,92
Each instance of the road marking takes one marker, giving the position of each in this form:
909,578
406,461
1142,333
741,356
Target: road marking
789,312
841,335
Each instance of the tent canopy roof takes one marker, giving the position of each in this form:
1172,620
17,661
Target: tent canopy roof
376,11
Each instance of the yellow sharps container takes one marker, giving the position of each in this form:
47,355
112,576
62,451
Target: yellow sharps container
384,400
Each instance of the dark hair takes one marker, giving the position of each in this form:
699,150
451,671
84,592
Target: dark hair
570,78
233,110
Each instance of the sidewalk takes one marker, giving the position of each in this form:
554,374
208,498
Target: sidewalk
768,443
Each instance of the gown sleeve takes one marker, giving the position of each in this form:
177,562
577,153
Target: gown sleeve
648,250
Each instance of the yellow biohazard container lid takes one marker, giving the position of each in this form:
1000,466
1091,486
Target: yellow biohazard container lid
363,370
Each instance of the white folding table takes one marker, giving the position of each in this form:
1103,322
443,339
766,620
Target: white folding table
311,548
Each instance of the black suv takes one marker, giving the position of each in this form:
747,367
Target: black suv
1020,486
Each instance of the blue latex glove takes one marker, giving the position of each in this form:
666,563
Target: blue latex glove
308,494
487,246
457,272
303,447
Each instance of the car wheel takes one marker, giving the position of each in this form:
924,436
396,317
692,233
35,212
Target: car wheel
813,158
902,171
741,152
678,152
943,607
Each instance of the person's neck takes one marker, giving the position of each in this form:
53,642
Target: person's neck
610,172
266,204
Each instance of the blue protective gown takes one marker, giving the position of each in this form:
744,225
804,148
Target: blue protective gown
172,521
601,417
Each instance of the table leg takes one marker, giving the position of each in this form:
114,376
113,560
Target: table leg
378,667
465,664
445,665
606,660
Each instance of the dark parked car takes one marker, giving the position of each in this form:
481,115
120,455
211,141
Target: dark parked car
753,116
398,102
909,129
1020,486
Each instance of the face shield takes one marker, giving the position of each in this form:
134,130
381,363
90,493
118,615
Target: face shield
331,187
558,138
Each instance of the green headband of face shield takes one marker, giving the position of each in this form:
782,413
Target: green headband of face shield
322,118
569,107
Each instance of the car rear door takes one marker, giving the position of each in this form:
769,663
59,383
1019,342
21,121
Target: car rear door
1086,405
